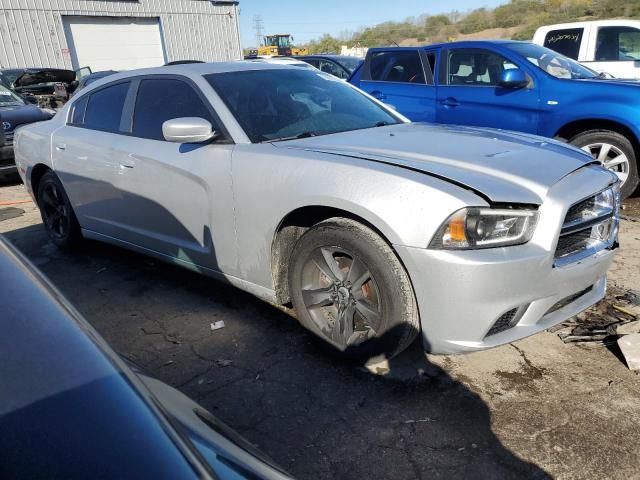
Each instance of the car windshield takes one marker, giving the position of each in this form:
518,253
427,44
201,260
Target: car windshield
552,62
350,63
9,98
291,103
11,75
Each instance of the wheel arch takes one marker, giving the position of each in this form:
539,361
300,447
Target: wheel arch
37,172
571,129
295,223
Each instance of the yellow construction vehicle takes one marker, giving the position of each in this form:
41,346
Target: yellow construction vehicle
280,45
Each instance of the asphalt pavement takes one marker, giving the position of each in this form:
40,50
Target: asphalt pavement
535,409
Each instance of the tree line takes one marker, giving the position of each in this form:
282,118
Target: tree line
522,17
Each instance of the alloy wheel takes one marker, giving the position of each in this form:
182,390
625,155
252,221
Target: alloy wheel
611,157
341,296
55,211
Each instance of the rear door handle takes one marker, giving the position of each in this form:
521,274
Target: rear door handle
129,161
379,95
450,102
61,147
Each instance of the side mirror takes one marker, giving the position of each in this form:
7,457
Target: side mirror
514,78
188,130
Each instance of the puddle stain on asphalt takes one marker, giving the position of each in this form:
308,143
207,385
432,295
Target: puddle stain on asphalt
10,212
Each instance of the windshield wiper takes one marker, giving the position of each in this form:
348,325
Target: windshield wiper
382,124
295,137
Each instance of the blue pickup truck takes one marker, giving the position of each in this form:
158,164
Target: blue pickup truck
515,86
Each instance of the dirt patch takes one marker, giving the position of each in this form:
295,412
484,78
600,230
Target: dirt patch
631,208
10,212
523,378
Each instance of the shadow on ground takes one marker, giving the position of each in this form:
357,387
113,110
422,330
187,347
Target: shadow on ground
268,378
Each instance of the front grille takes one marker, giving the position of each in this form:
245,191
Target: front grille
505,322
8,138
576,212
587,228
573,242
570,299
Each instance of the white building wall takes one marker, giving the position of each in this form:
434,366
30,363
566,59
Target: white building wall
32,32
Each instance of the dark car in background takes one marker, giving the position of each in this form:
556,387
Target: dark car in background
87,80
340,66
15,112
46,87
71,408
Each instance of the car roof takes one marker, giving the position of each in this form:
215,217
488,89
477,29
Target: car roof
330,56
201,69
460,43
598,23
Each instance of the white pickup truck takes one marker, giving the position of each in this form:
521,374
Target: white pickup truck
611,46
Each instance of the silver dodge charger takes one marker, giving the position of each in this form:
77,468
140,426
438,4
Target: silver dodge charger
308,193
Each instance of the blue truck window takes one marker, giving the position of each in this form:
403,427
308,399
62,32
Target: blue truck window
397,66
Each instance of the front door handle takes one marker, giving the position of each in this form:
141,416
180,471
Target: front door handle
61,147
450,102
378,95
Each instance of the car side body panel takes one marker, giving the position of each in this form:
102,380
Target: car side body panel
358,186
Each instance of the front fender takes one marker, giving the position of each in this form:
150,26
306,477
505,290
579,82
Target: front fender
594,106
406,206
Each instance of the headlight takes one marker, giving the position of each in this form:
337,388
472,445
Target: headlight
473,227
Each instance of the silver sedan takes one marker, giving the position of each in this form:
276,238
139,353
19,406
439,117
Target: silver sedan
306,192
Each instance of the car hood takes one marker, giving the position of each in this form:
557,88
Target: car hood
44,75
14,116
500,166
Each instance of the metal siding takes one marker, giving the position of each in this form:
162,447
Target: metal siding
32,32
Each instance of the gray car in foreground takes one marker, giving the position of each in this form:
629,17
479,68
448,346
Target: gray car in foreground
76,410
306,192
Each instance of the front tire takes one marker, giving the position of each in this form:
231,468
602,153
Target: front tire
57,213
615,152
349,288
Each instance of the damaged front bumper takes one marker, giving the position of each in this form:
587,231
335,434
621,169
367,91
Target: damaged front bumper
476,299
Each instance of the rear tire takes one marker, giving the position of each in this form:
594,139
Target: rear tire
615,152
349,288
57,213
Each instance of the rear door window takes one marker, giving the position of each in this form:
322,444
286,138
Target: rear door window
333,69
618,44
566,41
397,66
79,107
163,99
105,106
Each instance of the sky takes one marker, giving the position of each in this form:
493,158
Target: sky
309,19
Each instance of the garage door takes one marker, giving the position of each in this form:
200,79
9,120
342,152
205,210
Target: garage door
114,43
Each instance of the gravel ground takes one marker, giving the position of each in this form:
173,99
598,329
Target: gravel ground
534,409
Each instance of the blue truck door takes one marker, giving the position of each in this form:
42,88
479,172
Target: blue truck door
403,79
469,92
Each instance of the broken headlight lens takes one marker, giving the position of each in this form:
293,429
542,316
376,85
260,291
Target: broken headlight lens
472,228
